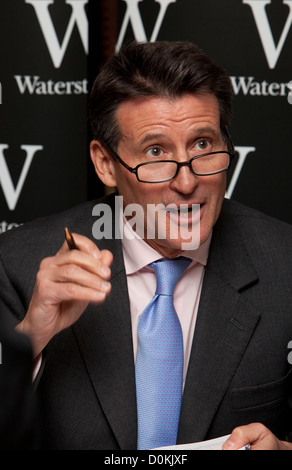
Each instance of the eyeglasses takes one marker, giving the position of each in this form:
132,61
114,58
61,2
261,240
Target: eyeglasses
161,171
165,170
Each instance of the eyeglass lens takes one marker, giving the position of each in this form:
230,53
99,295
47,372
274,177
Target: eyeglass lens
165,170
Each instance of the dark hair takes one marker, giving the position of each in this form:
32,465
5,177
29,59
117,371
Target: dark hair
163,68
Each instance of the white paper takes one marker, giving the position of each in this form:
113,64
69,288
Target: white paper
211,444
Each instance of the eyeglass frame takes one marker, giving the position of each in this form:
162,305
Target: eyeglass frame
178,164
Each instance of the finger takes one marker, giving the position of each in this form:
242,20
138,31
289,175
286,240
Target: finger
72,273
107,257
76,292
79,267
56,293
57,283
252,434
86,245
83,244
81,259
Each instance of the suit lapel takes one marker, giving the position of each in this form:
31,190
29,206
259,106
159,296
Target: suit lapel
105,341
224,326
104,335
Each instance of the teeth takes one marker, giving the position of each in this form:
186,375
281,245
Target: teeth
183,210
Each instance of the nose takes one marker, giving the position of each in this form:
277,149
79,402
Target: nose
185,181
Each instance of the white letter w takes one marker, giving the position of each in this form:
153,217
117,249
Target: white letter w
133,15
78,17
271,50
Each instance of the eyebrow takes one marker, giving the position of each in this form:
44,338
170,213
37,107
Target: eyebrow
149,137
207,130
199,131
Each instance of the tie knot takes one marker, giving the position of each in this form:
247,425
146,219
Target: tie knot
168,272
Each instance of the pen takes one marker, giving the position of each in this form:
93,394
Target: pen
70,240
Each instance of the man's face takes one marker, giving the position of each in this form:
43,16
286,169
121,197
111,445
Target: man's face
156,128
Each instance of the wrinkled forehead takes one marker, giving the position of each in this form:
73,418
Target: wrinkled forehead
137,118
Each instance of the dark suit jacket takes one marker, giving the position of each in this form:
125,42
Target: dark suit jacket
18,426
238,371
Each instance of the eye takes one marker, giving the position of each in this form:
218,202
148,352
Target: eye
154,152
202,144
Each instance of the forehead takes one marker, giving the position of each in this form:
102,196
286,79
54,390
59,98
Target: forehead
139,117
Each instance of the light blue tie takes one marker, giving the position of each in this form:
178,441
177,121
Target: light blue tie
159,363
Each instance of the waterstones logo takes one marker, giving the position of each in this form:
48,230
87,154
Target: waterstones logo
34,86
250,86
77,20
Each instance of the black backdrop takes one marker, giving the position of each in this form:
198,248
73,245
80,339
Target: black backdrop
44,97
52,49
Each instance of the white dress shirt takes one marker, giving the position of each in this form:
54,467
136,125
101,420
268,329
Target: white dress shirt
142,284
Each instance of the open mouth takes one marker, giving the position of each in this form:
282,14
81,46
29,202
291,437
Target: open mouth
184,213
180,222
184,224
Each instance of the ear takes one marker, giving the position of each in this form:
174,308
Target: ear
103,163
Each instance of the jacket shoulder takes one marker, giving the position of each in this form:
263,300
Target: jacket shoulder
44,236
236,210
256,228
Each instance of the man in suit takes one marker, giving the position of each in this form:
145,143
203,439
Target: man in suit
159,115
